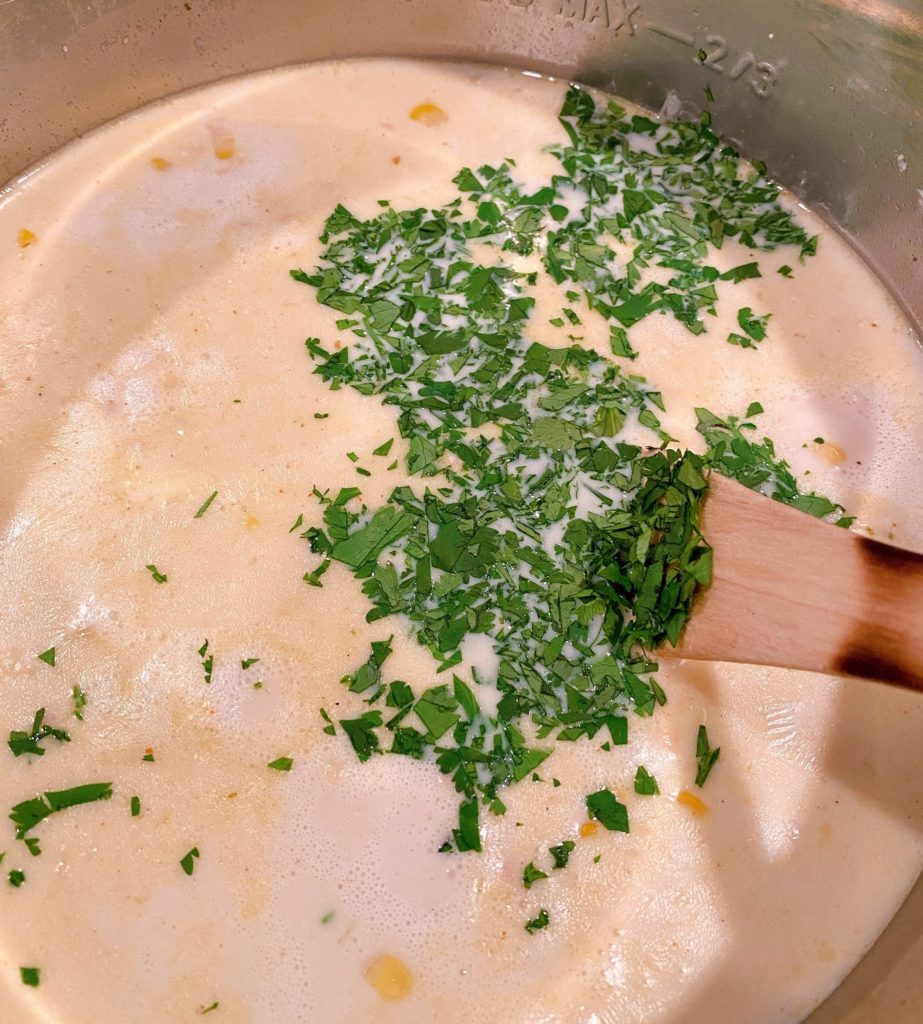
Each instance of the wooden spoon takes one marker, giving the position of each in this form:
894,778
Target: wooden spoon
793,591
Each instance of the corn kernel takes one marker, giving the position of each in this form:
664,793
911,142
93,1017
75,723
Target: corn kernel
159,163
691,801
589,828
224,149
832,454
390,977
26,237
429,114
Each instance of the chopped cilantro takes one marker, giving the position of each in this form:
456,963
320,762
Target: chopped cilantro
281,764
742,273
561,854
733,450
531,874
369,674
30,742
156,574
785,270
135,806
327,918
245,663
538,922
209,1008
79,699
753,326
706,757
549,529
608,811
383,449
16,877
187,863
47,656
361,733
204,507
30,976
313,577
26,815
645,783
208,661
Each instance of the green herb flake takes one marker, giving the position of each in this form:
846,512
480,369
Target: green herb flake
706,757
608,811
245,663
327,918
26,815
384,449
79,700
281,764
47,656
561,853
187,863
30,976
204,507
645,783
744,272
21,742
135,806
785,270
538,922
156,575
208,1009
16,878
208,662
531,874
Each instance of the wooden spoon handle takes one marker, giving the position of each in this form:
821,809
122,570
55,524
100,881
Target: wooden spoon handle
792,591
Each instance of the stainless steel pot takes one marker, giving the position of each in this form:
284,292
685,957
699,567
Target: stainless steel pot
828,92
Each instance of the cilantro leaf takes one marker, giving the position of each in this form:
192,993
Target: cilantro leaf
561,853
706,757
531,874
645,783
187,863
608,811
538,922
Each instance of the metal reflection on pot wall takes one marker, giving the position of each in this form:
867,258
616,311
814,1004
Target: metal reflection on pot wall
828,92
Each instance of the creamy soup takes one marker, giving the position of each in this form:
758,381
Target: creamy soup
163,442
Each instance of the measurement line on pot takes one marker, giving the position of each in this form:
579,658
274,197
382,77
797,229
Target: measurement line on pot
762,76
671,33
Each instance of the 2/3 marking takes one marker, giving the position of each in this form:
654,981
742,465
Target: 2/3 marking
761,75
